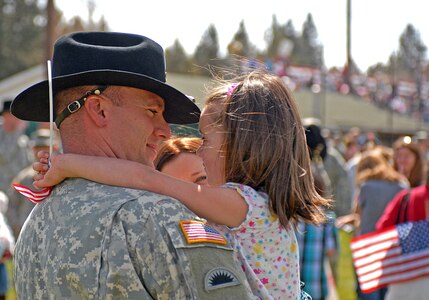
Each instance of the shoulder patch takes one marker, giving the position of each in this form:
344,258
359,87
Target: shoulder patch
219,278
200,232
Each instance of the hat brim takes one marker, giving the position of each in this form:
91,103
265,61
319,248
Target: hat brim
33,103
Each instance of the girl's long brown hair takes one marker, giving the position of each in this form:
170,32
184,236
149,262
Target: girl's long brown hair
265,144
172,147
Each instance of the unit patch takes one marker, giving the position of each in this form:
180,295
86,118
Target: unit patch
219,278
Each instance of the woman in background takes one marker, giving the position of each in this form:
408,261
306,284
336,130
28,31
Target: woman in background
378,183
408,161
177,158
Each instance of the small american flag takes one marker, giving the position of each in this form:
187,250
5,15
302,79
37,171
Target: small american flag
200,232
395,254
33,196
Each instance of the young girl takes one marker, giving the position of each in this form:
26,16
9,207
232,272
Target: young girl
177,157
255,154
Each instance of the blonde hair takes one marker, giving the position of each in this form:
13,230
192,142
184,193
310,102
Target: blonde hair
265,145
172,147
374,165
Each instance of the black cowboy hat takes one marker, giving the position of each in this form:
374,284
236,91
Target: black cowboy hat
106,58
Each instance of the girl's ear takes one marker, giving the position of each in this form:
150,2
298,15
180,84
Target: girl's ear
96,108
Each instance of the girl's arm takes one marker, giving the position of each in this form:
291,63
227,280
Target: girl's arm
220,205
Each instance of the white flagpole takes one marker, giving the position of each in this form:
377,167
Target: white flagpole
51,111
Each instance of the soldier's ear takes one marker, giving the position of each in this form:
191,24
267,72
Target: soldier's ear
98,109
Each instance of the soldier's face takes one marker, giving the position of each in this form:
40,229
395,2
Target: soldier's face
139,125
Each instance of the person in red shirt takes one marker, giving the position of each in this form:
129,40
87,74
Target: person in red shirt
401,210
408,205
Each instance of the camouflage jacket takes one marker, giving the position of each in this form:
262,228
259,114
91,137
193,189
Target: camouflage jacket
93,241
14,156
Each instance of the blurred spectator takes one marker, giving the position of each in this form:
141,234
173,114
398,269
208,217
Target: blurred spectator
421,138
14,150
408,160
350,142
377,182
365,141
7,244
317,243
19,206
334,167
408,206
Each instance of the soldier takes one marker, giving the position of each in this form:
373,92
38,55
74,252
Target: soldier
19,207
89,240
14,150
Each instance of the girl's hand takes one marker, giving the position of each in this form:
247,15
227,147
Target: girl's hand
47,176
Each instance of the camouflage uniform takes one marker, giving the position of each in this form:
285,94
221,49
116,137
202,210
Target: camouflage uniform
14,156
19,206
93,241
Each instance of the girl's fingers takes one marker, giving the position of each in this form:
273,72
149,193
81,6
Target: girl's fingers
39,176
43,154
44,160
40,167
38,185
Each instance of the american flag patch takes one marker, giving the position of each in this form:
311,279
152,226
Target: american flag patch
200,232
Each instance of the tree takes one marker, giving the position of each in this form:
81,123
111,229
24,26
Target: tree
412,51
280,43
207,50
23,32
177,60
77,23
273,37
240,44
307,50
22,29
411,56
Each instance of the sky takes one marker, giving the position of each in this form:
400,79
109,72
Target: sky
376,25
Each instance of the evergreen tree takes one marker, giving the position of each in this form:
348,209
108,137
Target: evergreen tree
22,25
273,37
240,44
411,52
23,33
289,31
280,41
307,51
177,60
207,50
411,56
77,23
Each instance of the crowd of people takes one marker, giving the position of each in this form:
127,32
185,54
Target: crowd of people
399,96
262,206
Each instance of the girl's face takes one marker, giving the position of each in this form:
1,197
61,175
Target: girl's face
405,160
187,167
210,151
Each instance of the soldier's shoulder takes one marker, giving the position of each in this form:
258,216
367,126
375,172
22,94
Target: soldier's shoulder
159,206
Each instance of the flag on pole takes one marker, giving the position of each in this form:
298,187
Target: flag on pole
39,196
395,254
